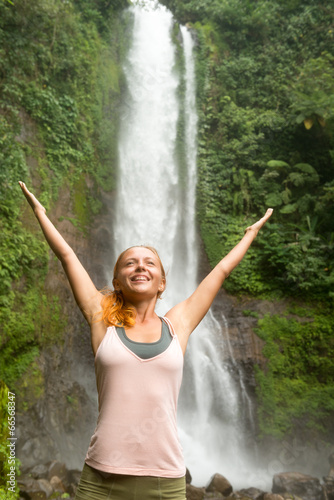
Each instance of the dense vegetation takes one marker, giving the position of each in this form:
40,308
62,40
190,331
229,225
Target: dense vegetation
60,82
296,392
266,139
266,104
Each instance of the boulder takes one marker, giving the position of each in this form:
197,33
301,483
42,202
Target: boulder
302,485
290,496
219,483
57,469
188,477
74,476
31,489
253,493
45,486
238,495
272,496
73,481
329,487
38,483
194,493
39,471
57,484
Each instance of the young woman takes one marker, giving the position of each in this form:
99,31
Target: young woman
134,453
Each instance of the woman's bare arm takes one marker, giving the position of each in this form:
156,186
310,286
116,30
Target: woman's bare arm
86,295
186,315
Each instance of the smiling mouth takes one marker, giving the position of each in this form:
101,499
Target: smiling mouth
139,279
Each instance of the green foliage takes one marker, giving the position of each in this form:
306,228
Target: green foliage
313,92
250,313
298,261
100,11
298,381
44,325
220,236
60,83
265,76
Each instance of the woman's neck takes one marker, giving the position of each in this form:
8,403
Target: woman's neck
145,311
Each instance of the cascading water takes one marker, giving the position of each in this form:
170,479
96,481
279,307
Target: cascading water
155,207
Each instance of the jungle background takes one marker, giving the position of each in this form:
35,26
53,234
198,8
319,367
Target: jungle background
265,88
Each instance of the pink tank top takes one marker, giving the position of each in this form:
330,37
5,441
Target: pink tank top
136,432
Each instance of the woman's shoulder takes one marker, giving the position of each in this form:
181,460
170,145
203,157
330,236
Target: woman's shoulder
174,319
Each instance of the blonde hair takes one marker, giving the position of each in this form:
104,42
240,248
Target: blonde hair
115,312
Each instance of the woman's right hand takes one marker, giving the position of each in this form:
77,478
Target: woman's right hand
86,295
32,200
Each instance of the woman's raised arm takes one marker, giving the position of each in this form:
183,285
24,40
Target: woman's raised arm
186,315
86,295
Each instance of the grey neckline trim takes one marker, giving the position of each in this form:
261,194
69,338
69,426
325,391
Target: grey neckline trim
164,329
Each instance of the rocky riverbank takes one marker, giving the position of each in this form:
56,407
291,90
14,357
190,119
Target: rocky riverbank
51,480
54,481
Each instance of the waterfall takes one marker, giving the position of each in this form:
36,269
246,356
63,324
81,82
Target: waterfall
147,195
155,207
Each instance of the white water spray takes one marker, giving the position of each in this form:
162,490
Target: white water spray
154,207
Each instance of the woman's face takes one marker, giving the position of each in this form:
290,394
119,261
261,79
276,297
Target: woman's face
139,273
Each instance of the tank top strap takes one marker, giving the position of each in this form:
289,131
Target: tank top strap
171,328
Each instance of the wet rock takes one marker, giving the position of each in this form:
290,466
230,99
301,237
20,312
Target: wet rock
57,469
302,485
45,485
329,480
253,493
329,487
194,493
57,484
74,476
35,486
238,495
73,481
290,496
219,483
39,471
34,449
30,489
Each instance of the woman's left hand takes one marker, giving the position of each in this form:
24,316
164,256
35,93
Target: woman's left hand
31,199
260,223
